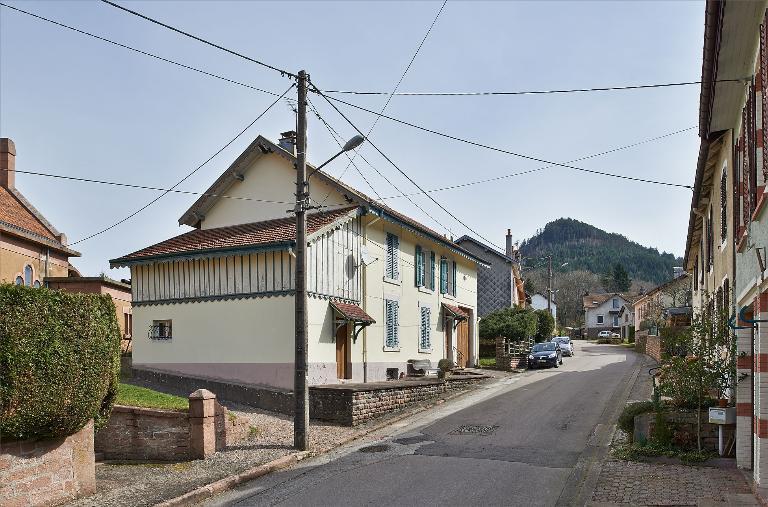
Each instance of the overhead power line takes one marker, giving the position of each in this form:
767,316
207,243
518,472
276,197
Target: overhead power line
200,39
494,148
542,168
531,92
185,178
473,231
397,85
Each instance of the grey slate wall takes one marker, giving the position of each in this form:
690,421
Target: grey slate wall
494,284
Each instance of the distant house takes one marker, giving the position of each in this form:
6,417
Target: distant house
499,286
627,320
217,302
670,302
601,312
31,249
539,302
119,291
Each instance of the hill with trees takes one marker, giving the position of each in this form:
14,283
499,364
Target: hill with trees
587,248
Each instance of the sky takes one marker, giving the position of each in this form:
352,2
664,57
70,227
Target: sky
80,107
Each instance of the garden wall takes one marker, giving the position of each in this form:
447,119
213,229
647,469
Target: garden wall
506,361
683,427
143,434
49,471
648,344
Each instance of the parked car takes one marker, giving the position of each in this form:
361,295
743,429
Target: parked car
565,345
604,334
545,354
615,335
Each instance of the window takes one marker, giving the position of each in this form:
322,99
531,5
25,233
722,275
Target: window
615,320
626,317
454,280
391,325
19,280
36,285
161,330
443,275
392,267
696,274
127,325
425,340
28,273
432,270
421,267
723,206
710,242
615,302
600,319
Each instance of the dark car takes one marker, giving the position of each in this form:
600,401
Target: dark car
545,354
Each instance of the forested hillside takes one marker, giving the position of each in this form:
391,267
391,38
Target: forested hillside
585,247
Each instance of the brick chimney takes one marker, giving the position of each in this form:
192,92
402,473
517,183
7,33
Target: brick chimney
288,142
510,246
7,163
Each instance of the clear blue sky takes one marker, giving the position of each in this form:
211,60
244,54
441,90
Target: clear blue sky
80,107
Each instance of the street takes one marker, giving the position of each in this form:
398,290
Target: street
525,440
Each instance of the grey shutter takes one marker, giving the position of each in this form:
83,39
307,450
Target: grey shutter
419,268
424,337
390,256
432,270
392,265
455,281
443,275
392,340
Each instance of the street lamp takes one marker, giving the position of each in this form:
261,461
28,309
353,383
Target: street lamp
348,146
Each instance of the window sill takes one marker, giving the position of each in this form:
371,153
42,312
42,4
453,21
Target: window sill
449,296
425,351
391,349
426,290
392,281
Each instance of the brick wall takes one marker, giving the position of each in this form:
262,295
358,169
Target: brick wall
641,338
508,362
653,347
144,434
47,472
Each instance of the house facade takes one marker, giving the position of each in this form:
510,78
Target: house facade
727,234
31,248
539,302
217,302
500,285
665,302
601,312
627,321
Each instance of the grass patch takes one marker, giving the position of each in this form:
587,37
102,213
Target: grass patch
135,396
633,452
487,362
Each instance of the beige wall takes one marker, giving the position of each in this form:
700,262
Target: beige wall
16,253
271,177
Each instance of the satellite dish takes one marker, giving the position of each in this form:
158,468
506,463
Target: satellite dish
366,256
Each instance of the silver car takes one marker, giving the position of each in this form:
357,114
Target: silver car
565,345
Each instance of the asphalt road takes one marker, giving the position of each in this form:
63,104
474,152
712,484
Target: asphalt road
534,439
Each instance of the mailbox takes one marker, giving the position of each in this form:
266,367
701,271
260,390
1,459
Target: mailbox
719,415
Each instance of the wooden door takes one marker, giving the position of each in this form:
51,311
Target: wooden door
342,355
448,340
462,343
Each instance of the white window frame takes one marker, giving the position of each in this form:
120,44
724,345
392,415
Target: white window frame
601,319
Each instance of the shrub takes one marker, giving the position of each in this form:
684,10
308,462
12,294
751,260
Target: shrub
516,324
626,421
445,364
545,326
59,361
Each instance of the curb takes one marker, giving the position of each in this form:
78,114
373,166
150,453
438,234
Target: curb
202,493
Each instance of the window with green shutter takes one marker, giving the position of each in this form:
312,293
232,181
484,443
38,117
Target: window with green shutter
392,267
432,270
391,324
425,340
420,268
454,280
443,275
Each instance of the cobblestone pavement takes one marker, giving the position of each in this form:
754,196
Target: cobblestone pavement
632,483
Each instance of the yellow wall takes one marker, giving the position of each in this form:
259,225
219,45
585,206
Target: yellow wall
16,253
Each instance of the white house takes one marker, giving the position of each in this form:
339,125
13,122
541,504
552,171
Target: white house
601,312
217,301
539,302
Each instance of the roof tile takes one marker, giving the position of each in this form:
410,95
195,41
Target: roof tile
15,213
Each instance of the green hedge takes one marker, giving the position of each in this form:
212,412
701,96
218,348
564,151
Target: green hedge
59,361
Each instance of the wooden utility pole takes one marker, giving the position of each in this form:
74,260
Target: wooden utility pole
549,285
300,391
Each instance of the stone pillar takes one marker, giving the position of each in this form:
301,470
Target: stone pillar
202,429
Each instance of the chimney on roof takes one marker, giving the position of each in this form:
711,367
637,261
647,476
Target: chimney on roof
288,141
7,163
510,246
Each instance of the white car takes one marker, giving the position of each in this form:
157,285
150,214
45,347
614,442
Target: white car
604,334
565,345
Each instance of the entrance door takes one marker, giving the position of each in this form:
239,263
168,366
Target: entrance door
342,353
462,343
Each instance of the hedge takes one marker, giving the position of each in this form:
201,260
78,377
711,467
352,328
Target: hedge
59,361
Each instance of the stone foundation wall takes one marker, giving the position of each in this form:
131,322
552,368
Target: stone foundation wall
47,472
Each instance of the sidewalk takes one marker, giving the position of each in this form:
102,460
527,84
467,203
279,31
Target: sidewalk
647,483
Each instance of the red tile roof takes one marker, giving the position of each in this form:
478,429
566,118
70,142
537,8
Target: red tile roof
352,312
13,212
455,311
234,236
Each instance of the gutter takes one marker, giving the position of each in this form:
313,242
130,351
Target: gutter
193,254
712,35
693,218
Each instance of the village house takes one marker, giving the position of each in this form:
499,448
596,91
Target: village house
539,302
499,286
217,302
727,233
627,321
601,312
668,303
31,249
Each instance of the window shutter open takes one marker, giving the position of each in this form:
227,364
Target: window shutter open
391,340
392,266
419,270
453,278
443,275
432,270
424,336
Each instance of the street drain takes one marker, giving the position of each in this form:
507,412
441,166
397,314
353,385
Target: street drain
375,448
411,440
474,429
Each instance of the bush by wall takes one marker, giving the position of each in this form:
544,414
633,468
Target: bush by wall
545,325
516,324
59,361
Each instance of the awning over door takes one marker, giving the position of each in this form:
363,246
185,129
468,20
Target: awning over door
454,312
351,312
